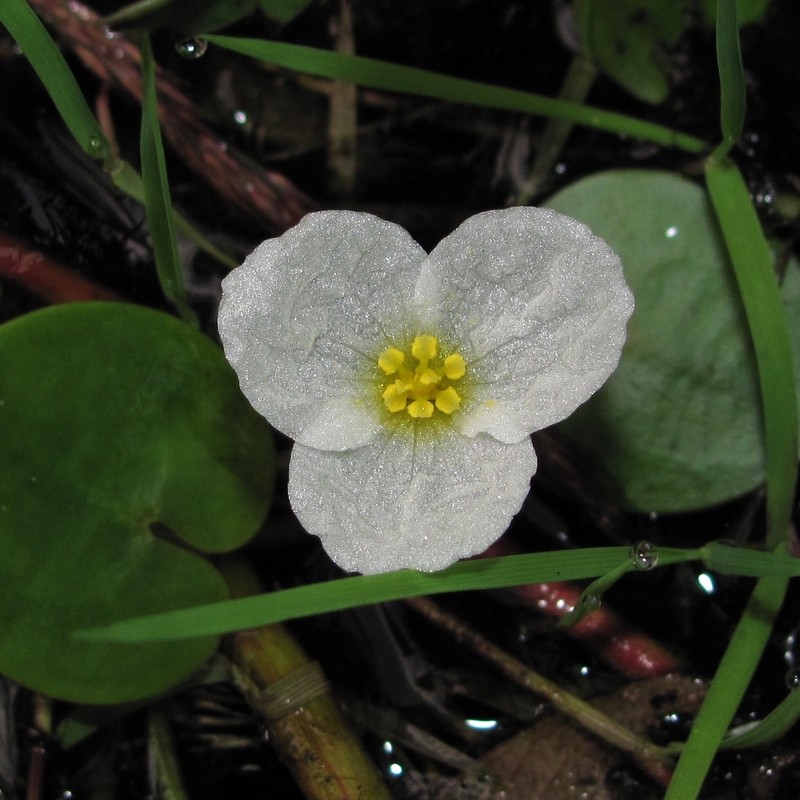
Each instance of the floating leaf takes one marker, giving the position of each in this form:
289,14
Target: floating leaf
630,40
679,423
126,446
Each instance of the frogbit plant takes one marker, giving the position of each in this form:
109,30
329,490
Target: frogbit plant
411,382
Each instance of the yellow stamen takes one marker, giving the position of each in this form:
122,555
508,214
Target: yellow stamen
428,377
391,360
454,367
448,400
426,388
421,408
423,348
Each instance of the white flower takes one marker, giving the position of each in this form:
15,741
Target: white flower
411,382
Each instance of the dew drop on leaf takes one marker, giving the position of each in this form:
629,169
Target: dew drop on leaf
97,147
191,47
591,602
644,555
793,678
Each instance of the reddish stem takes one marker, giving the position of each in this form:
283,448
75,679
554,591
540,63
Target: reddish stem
264,195
619,643
45,277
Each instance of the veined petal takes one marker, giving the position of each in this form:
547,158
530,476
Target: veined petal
536,304
406,501
301,319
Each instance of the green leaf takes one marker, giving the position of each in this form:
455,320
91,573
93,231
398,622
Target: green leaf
772,727
731,75
126,446
157,199
321,598
283,10
747,11
54,73
630,41
183,16
773,328
679,422
397,78
727,689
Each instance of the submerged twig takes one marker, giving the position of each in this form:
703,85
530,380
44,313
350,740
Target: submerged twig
262,194
46,278
165,775
654,760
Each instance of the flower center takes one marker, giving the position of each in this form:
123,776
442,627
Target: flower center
425,388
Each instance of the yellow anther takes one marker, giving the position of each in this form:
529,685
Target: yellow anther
391,360
395,396
454,367
448,400
423,348
422,389
428,377
421,408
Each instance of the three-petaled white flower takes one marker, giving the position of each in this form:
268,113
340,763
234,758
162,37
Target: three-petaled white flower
411,382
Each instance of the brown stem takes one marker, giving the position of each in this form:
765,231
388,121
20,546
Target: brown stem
305,725
653,760
265,196
44,277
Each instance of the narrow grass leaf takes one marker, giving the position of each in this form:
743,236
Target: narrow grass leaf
731,75
397,78
156,192
126,178
728,560
755,275
727,688
772,727
321,598
52,69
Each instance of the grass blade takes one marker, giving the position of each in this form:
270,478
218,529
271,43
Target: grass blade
766,318
727,689
731,75
321,598
397,78
52,69
156,192
772,727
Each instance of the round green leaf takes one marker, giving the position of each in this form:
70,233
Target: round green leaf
679,422
126,446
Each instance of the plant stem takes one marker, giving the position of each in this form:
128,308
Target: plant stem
654,760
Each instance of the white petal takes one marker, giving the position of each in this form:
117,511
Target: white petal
537,305
309,312
410,502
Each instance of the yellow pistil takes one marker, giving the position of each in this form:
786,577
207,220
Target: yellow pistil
426,388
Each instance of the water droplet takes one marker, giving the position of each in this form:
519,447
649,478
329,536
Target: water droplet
191,47
644,555
672,232
793,678
97,147
591,602
79,10
240,117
